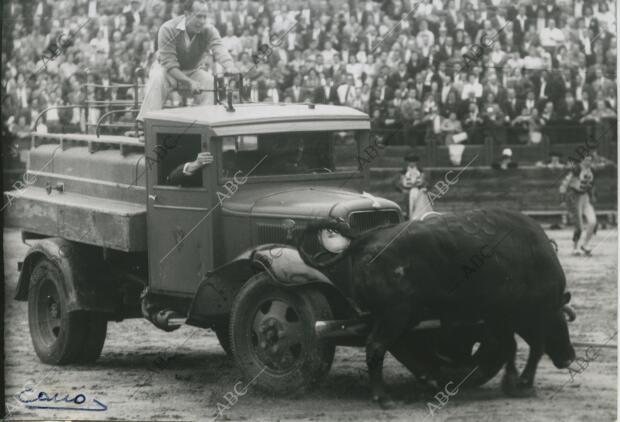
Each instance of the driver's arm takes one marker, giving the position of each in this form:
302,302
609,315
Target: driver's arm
189,174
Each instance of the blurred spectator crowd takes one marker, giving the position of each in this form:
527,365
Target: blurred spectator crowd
532,65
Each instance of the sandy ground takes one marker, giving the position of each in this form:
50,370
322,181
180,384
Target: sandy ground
190,386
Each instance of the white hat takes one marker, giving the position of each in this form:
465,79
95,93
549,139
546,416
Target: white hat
507,152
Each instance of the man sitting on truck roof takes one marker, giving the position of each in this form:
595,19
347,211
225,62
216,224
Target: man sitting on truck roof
182,44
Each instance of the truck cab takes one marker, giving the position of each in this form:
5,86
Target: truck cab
114,236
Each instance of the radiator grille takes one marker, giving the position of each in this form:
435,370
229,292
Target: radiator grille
271,233
364,220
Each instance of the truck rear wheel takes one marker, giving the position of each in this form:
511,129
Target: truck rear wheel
273,339
60,337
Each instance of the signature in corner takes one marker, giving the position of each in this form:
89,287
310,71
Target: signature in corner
45,401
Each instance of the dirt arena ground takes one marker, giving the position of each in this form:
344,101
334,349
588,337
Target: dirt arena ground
190,386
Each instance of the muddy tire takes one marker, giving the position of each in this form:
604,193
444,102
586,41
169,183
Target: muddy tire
273,339
60,337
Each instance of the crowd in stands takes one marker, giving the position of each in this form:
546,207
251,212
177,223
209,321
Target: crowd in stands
529,65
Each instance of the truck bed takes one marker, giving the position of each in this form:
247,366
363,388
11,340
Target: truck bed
101,198
86,219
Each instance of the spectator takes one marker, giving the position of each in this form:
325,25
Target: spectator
21,129
450,105
134,16
598,161
412,183
505,162
449,127
570,111
347,90
554,161
326,93
599,113
550,36
296,92
231,42
572,42
530,102
548,115
511,107
472,85
273,95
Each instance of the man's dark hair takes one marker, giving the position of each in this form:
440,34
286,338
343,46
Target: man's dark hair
189,4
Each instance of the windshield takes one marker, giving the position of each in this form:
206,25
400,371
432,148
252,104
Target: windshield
291,153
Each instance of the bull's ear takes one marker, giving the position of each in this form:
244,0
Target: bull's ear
567,297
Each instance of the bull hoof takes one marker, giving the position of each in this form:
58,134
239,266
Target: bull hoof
385,402
429,384
514,387
525,388
509,384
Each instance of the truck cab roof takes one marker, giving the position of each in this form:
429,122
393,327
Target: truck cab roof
262,117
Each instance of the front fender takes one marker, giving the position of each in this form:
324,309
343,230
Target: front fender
285,266
217,291
82,289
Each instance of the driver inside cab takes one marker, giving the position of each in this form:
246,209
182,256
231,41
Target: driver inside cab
189,174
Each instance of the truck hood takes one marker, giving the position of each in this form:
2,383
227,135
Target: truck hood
301,201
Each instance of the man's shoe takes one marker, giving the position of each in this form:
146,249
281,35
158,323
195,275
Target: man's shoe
586,252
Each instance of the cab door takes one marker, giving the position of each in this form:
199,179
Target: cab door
179,216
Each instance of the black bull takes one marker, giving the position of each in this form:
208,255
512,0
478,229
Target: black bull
517,285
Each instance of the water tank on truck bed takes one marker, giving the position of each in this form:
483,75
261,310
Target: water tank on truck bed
83,188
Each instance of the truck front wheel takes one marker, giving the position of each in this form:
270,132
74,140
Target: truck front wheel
60,337
272,335
222,333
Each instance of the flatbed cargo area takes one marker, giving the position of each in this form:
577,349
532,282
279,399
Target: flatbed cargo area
86,219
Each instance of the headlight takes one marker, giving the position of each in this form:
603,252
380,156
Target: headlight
333,241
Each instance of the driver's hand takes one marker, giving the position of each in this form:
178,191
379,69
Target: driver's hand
202,159
193,87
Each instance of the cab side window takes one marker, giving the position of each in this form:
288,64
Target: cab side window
173,150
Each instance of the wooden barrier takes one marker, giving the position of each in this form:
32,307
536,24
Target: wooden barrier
532,190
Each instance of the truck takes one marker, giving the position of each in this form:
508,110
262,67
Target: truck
111,238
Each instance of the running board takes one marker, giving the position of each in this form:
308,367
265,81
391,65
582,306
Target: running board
361,327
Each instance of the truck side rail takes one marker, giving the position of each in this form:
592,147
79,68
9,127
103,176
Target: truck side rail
43,112
66,140
100,123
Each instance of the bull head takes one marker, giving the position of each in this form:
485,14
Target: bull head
334,235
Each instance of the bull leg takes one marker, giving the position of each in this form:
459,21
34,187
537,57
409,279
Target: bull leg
385,331
535,339
526,380
509,381
375,354
422,364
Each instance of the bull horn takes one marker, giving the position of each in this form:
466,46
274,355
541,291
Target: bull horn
554,244
570,313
